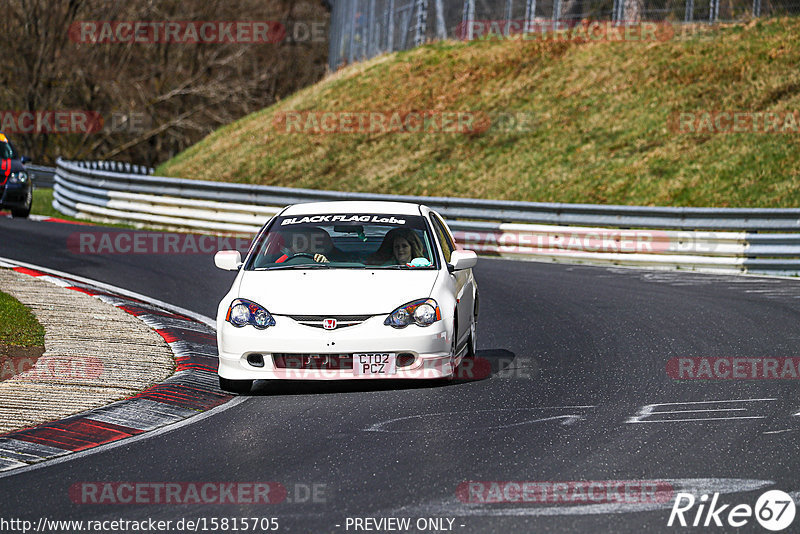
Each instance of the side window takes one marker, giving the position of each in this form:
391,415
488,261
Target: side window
443,237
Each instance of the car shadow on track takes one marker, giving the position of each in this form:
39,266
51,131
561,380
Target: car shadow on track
487,364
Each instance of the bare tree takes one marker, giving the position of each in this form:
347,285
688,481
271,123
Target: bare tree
632,12
156,98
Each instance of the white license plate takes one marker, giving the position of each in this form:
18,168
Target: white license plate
374,364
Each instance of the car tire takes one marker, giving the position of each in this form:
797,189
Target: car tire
470,354
473,332
23,213
235,386
472,347
453,354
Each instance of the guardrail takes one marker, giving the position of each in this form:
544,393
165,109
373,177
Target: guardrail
41,176
732,240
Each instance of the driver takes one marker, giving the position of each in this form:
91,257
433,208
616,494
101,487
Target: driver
313,242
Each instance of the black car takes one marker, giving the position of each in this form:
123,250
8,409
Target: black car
16,189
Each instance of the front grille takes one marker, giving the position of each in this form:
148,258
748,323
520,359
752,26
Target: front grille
342,321
313,361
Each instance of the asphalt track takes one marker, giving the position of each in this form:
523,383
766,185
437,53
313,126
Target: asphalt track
578,357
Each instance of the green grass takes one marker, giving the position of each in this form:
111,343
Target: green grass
43,205
18,326
599,132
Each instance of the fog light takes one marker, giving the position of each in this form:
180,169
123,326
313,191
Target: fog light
404,359
256,360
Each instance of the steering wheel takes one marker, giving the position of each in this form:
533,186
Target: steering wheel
298,255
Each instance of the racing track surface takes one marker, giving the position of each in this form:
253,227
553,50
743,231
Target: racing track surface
576,353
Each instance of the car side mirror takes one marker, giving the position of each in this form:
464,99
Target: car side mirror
228,260
25,159
462,259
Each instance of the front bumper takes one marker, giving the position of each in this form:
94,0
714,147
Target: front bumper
430,345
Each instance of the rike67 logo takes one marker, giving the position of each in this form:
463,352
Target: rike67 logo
774,510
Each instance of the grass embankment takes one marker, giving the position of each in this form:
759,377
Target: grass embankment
18,326
43,204
600,130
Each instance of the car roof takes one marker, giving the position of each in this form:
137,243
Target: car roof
353,206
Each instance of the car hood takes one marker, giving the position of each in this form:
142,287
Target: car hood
335,291
16,165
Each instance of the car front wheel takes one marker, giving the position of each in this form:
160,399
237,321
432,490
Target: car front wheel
25,211
472,342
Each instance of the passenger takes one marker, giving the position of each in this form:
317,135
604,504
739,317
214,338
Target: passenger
399,247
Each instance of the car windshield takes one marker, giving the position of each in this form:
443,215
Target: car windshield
344,241
7,151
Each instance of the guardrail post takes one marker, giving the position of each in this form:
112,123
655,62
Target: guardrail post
390,27
468,17
530,15
421,23
371,31
441,28
352,25
688,16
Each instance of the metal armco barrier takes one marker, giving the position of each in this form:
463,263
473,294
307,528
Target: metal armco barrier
42,176
729,240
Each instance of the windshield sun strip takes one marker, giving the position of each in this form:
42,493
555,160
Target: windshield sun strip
258,244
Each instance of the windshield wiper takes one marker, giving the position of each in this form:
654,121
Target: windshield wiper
296,266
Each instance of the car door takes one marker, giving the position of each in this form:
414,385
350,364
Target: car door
464,283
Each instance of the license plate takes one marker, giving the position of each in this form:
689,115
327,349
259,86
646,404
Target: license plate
374,364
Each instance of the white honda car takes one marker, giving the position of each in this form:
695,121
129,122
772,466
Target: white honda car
347,290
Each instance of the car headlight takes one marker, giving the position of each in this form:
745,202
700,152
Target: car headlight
18,177
422,312
243,312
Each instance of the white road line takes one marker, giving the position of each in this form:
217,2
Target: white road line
568,418
709,402
709,410
699,419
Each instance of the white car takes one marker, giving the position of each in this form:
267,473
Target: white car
347,290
